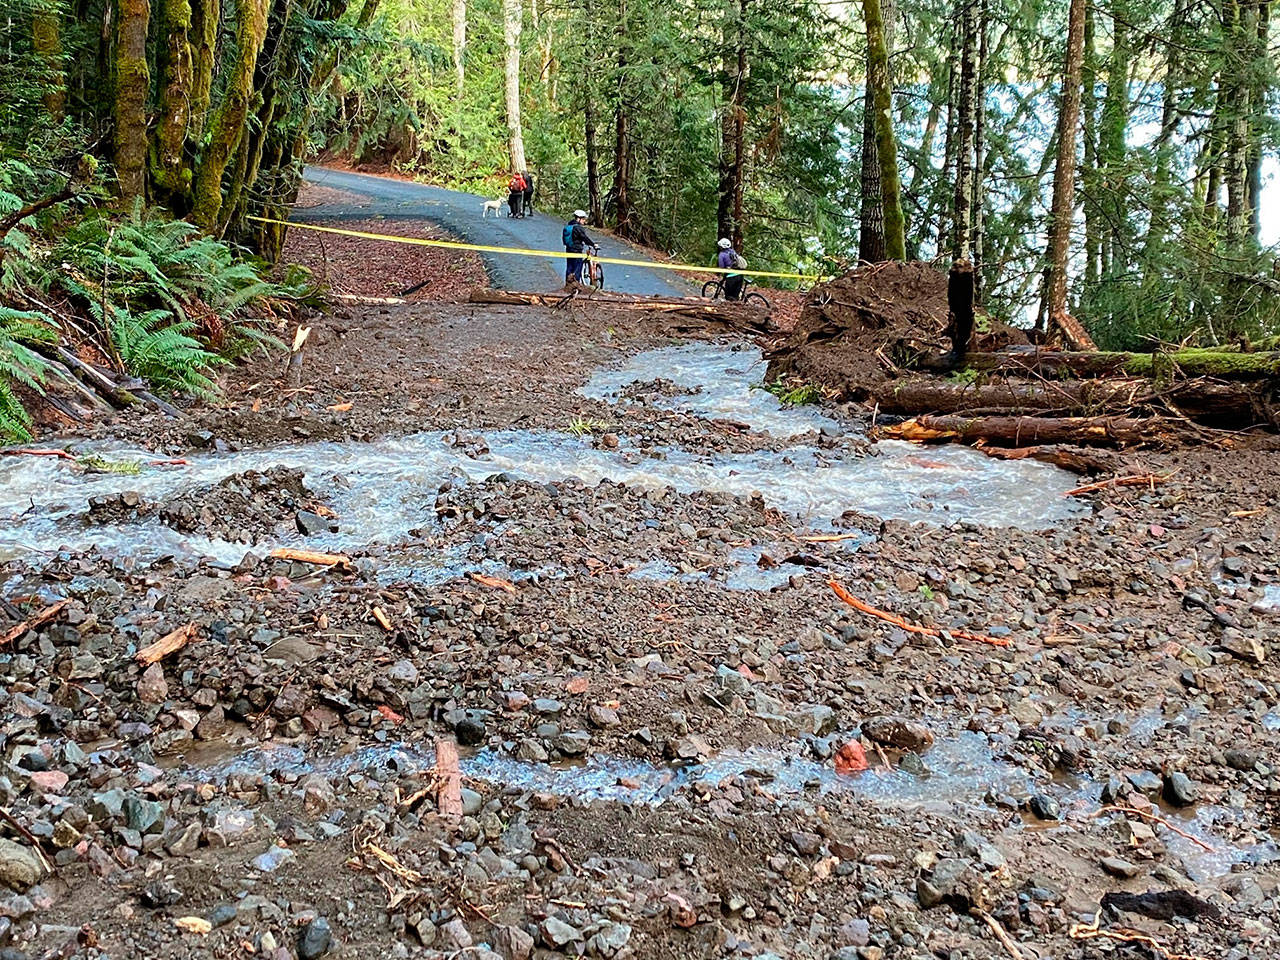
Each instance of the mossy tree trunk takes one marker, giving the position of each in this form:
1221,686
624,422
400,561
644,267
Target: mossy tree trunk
1064,176
228,124
46,37
132,85
205,16
170,168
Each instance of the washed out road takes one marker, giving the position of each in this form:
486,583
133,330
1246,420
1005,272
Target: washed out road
460,214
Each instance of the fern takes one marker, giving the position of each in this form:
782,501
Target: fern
22,365
155,346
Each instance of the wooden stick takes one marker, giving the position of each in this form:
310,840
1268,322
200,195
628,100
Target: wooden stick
449,792
1134,480
897,621
47,615
383,620
169,643
62,454
339,560
1010,945
1133,811
496,583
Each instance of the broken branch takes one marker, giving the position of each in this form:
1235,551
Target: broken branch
47,615
897,621
339,560
169,643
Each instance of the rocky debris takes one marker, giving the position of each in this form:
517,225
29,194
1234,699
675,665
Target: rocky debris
316,939
244,508
1162,905
1180,790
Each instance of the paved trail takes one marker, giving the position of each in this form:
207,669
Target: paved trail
459,213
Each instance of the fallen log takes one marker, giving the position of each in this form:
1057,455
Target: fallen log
1189,362
339,560
1202,400
1069,458
1034,431
47,615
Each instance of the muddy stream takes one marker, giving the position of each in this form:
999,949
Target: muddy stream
384,489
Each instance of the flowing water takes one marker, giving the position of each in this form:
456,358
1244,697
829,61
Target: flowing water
384,489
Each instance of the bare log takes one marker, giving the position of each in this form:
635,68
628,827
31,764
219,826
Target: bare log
1034,431
169,643
960,295
1189,362
1201,400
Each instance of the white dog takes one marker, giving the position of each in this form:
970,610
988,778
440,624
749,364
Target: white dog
494,205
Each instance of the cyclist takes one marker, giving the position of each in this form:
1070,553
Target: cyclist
729,259
575,241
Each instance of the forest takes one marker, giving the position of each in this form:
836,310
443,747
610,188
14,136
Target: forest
1110,163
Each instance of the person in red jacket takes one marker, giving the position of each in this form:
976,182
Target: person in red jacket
515,195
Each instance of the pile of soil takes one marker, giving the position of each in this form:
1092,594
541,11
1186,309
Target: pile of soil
856,329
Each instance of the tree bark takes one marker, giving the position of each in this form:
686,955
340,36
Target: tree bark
962,220
620,193
886,145
733,125
979,194
228,124
1112,132
170,172
1034,431
871,205
46,38
594,205
512,23
1063,205
1200,400
1088,173
133,82
459,45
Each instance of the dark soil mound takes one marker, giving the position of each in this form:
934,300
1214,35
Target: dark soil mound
855,331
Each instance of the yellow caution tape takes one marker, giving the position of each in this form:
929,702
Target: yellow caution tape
525,252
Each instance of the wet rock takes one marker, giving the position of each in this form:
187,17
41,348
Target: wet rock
573,743
152,687
806,844
470,732
952,881
899,732
107,805
273,859
1245,760
213,724
471,802
316,939
557,934
548,707
1242,647
20,868
1045,807
312,524
609,940
602,717
1161,904
145,816
160,893
977,847
1180,790
691,747
1120,868
455,936
1145,782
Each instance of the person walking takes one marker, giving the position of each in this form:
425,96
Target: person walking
515,195
729,259
526,208
575,241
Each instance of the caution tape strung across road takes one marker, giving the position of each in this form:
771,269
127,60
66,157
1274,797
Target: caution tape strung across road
525,252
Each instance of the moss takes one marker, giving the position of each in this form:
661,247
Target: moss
133,83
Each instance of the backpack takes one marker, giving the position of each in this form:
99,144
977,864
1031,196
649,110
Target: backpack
739,262
568,235
517,184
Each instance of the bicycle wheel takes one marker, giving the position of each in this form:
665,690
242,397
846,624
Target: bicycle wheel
758,299
712,289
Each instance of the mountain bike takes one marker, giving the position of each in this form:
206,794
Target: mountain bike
714,290
592,271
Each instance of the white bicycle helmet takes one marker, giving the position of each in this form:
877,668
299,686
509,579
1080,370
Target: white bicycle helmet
580,214
724,243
